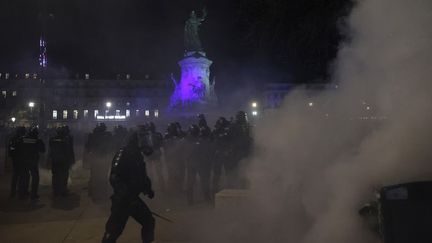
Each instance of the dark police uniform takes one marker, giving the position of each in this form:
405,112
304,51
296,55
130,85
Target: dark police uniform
32,146
155,140
241,145
128,179
62,158
19,175
223,151
198,162
173,158
99,146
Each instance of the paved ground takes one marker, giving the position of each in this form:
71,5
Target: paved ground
78,219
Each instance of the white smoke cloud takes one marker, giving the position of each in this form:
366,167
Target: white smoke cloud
311,173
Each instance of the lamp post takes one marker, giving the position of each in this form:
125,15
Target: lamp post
31,105
108,106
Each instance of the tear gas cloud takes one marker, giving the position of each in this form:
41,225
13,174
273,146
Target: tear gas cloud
310,173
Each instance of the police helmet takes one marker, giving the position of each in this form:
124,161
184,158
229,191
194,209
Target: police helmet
241,117
194,130
133,140
151,127
20,131
33,132
202,120
221,122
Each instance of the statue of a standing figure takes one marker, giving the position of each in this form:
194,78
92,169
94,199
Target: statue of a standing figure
191,36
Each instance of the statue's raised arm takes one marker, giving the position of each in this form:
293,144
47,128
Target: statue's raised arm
204,14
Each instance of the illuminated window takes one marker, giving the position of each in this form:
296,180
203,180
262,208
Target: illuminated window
156,113
7,75
96,113
147,113
137,113
117,113
127,113
27,75
54,114
65,114
4,93
87,76
85,113
75,114
14,93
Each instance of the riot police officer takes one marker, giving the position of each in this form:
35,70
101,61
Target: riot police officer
205,155
99,147
155,140
19,173
241,144
32,146
62,157
128,179
120,134
223,150
198,162
192,162
179,129
174,162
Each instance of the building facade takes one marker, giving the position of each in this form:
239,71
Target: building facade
81,102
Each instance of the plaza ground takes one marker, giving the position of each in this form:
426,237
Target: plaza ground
78,219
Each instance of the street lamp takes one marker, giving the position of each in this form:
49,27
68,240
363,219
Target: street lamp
254,104
13,119
108,104
31,104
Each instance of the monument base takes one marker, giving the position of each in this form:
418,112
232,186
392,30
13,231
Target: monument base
194,88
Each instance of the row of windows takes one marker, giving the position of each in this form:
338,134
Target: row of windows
77,76
100,115
4,93
27,76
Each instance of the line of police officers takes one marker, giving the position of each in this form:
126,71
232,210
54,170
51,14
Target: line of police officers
25,148
199,152
205,153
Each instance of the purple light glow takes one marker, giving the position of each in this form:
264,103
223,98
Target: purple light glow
193,87
190,91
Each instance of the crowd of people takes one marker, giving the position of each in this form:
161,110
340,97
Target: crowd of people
178,161
119,162
25,148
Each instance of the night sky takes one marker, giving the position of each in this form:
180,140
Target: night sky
271,40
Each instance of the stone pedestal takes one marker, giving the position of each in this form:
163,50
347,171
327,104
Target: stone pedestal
194,87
